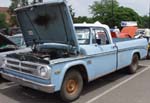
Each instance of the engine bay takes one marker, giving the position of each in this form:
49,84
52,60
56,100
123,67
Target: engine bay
40,56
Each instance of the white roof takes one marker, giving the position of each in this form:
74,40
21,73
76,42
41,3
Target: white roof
96,24
129,23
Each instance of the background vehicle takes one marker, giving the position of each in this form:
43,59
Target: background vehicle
129,29
144,33
6,44
18,40
128,32
11,44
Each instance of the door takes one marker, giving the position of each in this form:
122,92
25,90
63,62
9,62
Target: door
106,60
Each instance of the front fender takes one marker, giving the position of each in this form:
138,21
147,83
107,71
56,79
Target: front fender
65,67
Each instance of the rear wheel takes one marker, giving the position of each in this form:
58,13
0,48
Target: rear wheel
148,52
134,65
72,86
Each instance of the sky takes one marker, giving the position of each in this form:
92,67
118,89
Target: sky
81,7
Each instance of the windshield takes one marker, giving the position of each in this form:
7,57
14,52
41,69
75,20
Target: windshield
83,35
18,40
6,44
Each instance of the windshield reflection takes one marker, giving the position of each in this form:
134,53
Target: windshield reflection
83,35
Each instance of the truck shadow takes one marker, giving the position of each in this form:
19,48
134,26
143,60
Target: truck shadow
3,80
27,95
107,80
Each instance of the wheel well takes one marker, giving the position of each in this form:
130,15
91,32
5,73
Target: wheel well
82,70
137,53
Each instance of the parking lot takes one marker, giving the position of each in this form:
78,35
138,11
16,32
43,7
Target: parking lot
118,87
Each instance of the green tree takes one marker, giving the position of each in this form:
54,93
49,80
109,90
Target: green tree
112,14
3,23
79,19
13,6
103,9
145,21
24,2
15,3
82,19
72,11
125,14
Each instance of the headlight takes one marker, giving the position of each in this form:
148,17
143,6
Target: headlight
44,72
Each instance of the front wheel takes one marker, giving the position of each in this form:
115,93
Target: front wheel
134,65
72,86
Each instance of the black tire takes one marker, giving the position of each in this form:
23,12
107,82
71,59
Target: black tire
72,86
134,64
148,56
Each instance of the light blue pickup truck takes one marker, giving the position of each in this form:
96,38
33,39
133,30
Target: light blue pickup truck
65,56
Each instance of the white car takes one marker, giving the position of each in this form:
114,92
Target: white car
11,44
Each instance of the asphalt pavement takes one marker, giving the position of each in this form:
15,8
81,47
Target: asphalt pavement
118,87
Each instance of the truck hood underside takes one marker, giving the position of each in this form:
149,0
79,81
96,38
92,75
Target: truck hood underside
47,23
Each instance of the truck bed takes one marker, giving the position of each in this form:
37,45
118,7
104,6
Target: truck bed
127,47
115,40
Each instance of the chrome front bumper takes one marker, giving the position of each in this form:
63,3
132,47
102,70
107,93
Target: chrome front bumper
30,84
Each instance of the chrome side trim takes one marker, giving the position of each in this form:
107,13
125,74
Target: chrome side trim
34,85
84,57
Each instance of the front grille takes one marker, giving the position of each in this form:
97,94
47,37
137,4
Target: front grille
28,65
12,67
21,66
12,62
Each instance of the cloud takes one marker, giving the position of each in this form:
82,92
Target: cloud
4,3
140,6
81,7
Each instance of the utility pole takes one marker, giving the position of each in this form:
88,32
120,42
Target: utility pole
149,15
112,11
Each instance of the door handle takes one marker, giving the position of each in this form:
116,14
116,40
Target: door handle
96,45
114,46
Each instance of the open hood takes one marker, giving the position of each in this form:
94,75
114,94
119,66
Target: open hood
47,23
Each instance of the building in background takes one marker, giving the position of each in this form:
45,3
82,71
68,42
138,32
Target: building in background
5,10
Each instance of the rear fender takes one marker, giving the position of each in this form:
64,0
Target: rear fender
135,52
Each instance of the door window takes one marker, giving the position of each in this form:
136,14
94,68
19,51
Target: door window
101,37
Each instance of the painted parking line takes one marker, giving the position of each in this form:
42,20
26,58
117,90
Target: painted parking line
8,85
116,86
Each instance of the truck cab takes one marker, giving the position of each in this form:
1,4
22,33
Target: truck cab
95,40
